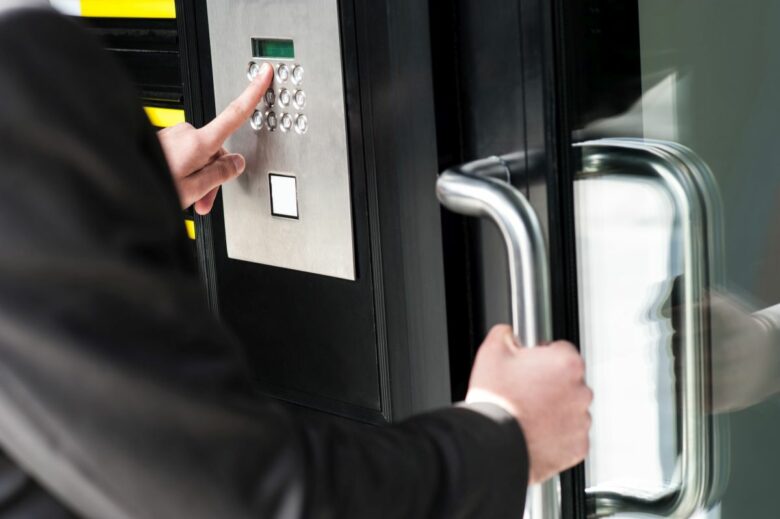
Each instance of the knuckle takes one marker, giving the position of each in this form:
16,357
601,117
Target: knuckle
225,169
572,364
497,335
215,173
576,362
236,108
584,447
565,345
500,330
202,140
576,366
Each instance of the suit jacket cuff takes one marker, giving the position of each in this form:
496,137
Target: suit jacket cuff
491,475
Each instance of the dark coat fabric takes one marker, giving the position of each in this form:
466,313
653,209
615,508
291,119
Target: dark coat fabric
120,394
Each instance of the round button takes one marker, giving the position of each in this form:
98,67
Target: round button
256,121
282,73
286,122
285,97
270,97
297,74
301,124
253,70
299,99
270,120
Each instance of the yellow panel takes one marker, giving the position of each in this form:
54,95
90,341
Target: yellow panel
164,117
129,8
190,225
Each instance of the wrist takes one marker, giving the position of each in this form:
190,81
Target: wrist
484,396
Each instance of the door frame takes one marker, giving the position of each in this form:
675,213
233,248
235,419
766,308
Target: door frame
518,49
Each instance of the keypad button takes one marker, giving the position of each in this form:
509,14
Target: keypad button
299,99
297,74
270,120
282,73
301,124
253,70
256,121
286,122
285,97
270,97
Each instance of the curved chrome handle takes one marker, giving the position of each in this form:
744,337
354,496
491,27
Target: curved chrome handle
482,189
703,463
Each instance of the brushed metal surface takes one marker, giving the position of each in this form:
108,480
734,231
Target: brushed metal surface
321,240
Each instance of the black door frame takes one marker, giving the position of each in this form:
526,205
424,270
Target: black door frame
502,86
553,194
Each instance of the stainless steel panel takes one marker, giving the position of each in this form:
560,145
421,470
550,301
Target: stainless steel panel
321,240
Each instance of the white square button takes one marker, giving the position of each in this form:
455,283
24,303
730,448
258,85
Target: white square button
284,196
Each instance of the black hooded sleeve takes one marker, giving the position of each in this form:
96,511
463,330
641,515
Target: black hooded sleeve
119,393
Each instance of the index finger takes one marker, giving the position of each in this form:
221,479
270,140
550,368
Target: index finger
239,110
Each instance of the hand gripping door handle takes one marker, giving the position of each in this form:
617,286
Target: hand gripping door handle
481,188
703,458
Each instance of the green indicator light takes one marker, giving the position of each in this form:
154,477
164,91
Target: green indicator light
269,48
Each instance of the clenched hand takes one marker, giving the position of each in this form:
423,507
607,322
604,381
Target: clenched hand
544,389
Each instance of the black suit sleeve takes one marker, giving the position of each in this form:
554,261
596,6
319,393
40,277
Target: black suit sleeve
119,392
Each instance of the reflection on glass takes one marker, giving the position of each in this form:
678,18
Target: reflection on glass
624,236
683,256
710,76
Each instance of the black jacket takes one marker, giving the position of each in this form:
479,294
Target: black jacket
119,393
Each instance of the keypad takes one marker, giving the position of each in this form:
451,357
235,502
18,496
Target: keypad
253,70
282,73
256,120
270,97
283,104
284,97
271,120
299,99
297,74
286,122
301,123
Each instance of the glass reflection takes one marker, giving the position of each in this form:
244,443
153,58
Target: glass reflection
624,237
710,77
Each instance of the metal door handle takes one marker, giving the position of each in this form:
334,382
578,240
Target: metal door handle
702,461
482,189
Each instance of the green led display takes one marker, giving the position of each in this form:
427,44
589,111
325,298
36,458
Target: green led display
268,48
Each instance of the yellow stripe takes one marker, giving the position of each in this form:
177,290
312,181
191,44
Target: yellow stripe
164,117
129,8
190,225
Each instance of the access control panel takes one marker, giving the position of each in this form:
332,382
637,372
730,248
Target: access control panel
291,208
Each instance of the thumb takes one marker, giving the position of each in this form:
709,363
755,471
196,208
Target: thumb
213,175
511,341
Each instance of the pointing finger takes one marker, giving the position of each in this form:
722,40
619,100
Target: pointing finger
239,110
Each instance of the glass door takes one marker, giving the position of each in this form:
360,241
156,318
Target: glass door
675,112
